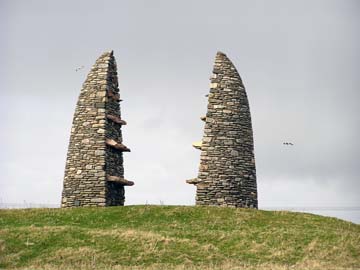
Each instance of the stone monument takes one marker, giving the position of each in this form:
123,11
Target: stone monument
227,175
94,171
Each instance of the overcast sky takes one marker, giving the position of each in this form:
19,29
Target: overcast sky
299,61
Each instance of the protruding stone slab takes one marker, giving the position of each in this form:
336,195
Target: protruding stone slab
116,119
120,180
197,145
117,145
193,181
113,95
203,118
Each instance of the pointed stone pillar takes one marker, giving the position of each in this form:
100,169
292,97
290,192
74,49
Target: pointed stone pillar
227,174
95,153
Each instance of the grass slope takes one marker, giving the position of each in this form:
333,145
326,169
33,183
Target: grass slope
175,237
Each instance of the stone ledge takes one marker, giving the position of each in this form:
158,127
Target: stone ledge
120,180
193,181
116,145
197,145
113,95
116,119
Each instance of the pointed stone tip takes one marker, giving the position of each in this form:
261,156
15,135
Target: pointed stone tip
221,56
220,53
222,59
108,54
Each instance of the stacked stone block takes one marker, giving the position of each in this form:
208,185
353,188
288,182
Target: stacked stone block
227,174
94,172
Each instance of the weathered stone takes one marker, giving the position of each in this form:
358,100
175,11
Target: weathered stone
98,200
99,152
227,175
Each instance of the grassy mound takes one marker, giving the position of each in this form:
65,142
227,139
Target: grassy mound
175,237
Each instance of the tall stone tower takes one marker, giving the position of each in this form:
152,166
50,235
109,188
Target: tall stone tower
94,172
227,173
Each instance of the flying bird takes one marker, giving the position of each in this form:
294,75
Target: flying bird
77,69
288,143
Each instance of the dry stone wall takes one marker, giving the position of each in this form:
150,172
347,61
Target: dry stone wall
94,172
227,174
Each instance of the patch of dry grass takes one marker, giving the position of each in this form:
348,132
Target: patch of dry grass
313,265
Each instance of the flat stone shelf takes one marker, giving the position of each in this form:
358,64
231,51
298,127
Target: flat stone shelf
116,145
203,118
120,180
193,181
113,95
116,119
197,145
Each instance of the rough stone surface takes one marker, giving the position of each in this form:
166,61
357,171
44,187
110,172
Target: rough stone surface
90,160
227,175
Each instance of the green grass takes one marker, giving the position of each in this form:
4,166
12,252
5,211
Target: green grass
175,237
